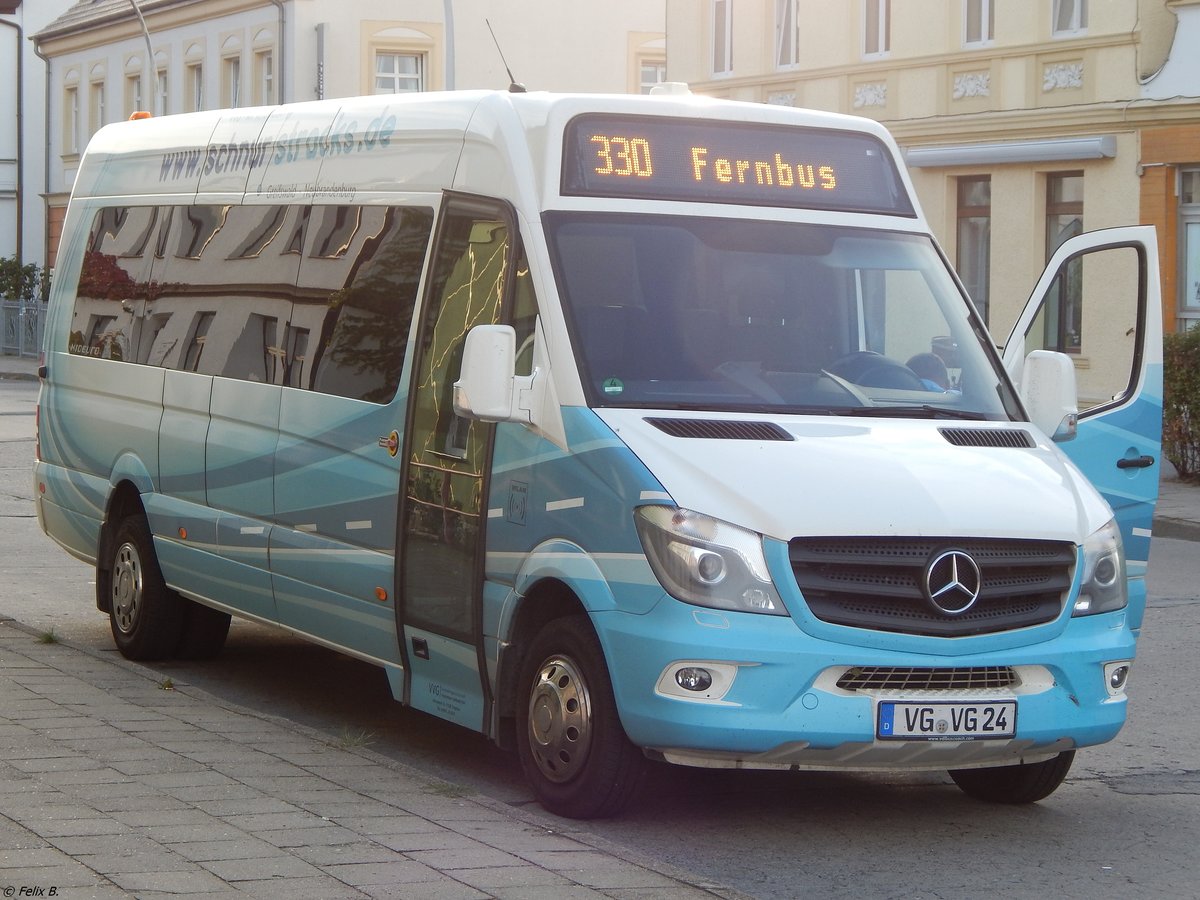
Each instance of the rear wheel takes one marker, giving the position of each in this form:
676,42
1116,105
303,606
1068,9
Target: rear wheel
573,749
146,616
1024,783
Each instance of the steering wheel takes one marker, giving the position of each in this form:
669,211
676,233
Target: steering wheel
871,369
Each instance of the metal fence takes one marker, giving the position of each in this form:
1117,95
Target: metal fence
23,324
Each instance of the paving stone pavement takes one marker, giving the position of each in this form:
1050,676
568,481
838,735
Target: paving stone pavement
115,783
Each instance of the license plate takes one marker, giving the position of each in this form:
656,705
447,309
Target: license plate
913,721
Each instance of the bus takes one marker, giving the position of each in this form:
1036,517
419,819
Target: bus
622,430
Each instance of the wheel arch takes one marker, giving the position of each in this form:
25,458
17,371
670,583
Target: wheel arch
124,500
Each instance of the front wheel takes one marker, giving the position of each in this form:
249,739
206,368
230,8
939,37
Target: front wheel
146,615
573,749
1024,783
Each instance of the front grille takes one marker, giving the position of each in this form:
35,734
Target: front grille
876,583
903,678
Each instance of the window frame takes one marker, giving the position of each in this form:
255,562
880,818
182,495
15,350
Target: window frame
721,22
987,23
1078,24
397,77
787,29
1054,209
963,213
881,12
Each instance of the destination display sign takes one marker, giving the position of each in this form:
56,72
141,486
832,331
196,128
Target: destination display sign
717,161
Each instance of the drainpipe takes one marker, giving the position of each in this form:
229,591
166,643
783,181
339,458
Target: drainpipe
46,191
283,78
448,14
20,139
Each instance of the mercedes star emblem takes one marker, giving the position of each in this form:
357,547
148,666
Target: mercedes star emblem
952,582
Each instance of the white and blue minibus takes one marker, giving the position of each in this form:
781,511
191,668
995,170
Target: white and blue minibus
623,430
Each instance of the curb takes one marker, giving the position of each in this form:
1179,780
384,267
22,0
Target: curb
1179,529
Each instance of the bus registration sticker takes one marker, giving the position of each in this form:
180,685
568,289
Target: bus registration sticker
916,721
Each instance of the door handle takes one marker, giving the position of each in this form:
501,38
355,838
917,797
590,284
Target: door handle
1137,462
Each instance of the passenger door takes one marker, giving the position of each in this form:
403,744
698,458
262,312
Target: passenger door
1099,299
447,463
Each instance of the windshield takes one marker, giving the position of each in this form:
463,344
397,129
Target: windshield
674,312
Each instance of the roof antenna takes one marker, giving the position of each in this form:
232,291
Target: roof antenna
513,86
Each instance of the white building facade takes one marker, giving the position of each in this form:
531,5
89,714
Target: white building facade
209,54
23,157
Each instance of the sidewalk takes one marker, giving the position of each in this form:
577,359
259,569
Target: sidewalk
115,784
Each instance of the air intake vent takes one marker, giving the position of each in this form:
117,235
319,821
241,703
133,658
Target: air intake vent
896,678
721,429
988,437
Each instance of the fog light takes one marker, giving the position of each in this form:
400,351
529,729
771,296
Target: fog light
693,678
1116,677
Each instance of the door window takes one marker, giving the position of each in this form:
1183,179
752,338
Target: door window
447,453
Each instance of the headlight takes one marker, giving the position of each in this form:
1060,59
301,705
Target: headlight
1103,588
701,560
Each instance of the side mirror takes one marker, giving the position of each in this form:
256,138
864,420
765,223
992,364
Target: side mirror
1049,393
484,389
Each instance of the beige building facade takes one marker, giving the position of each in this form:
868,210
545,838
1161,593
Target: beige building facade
1022,123
212,54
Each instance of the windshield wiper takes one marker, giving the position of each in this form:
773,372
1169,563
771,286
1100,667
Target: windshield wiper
924,411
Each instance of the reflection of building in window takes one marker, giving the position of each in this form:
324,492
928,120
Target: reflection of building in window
336,233
191,360
297,350
975,238
269,225
201,225
1064,220
399,73
100,331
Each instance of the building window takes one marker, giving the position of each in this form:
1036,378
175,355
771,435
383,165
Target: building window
231,81
650,73
163,87
195,87
399,73
722,31
786,36
975,238
877,27
71,138
979,22
264,78
133,94
1070,17
1064,303
96,111
1189,248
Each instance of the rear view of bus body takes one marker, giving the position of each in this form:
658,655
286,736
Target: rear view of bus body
611,427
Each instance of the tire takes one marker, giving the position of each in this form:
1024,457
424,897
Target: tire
146,616
204,631
573,750
1025,783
